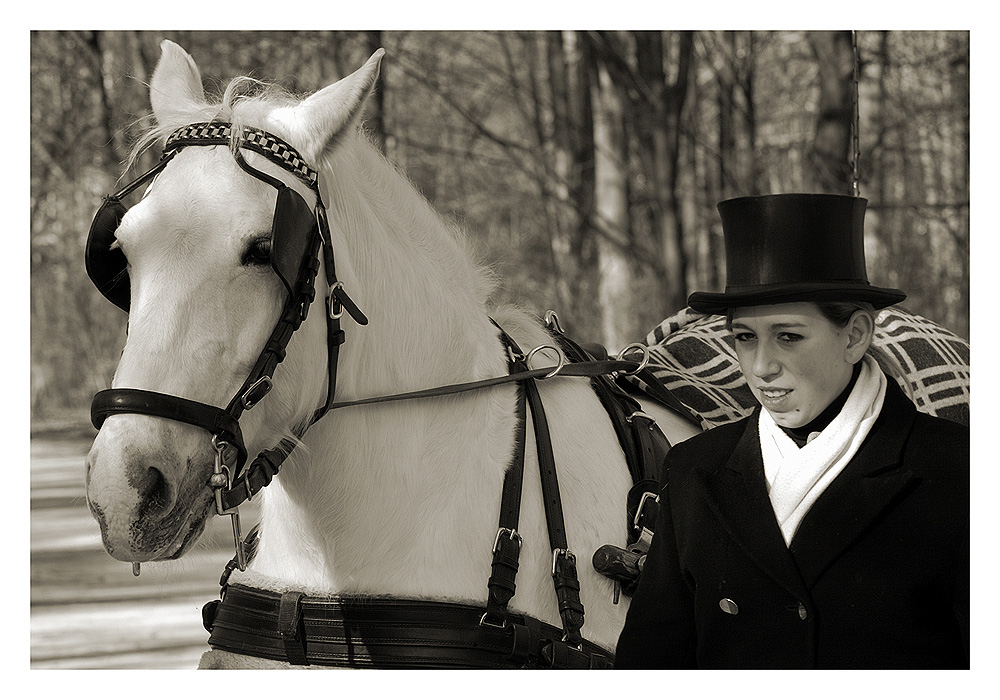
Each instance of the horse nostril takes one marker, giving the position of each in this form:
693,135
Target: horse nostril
154,492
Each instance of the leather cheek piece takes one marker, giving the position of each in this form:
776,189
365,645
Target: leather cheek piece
106,266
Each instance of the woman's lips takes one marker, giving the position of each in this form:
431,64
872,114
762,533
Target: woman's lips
773,397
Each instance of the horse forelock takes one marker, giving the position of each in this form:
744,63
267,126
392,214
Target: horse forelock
245,101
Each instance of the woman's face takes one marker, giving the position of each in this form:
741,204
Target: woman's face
794,359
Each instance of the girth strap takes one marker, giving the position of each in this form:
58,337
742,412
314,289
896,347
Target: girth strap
366,632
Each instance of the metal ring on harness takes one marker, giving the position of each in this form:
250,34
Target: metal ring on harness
645,357
556,369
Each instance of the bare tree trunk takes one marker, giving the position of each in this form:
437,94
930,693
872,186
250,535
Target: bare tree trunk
661,126
829,160
560,210
611,190
580,122
572,159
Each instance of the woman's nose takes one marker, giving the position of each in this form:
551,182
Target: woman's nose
765,365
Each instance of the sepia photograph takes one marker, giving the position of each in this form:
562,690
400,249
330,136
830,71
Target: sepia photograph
501,349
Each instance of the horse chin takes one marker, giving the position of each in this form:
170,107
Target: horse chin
172,537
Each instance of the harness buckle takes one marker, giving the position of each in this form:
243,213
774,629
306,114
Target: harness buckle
257,391
557,553
483,622
514,535
637,520
336,308
639,414
340,301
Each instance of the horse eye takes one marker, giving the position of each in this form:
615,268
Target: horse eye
259,252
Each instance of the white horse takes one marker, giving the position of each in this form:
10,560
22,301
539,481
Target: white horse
394,500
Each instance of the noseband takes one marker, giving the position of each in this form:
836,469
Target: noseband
298,233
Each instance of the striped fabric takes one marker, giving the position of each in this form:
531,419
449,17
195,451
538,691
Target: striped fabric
694,357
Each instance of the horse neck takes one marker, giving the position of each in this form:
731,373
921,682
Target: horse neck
425,298
368,505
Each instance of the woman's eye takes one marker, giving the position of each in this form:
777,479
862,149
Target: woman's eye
259,252
790,337
744,337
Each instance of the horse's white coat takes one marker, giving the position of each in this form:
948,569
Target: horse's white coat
396,499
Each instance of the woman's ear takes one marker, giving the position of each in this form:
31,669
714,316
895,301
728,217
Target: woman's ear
860,333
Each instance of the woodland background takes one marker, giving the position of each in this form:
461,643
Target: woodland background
586,165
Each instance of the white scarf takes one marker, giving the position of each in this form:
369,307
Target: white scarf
797,476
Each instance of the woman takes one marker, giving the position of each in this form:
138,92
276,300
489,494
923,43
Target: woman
830,528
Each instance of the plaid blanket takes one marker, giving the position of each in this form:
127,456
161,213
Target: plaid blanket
693,356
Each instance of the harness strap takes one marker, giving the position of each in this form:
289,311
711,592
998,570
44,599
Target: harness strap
564,573
290,627
257,475
366,632
216,420
507,545
643,443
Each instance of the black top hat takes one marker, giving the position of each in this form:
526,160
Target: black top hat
794,247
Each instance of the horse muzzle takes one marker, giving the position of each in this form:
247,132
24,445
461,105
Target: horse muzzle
150,498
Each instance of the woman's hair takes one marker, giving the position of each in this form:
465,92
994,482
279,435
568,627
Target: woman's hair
836,312
839,313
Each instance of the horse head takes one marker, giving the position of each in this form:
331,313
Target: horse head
205,286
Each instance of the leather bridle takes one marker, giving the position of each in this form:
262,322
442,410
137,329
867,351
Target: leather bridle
298,233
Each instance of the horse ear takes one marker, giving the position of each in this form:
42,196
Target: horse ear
323,118
175,91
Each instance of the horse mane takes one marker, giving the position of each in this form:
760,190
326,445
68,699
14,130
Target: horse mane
389,198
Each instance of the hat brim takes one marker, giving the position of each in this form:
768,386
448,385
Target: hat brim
721,302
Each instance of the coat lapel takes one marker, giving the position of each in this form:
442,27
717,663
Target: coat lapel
737,493
861,493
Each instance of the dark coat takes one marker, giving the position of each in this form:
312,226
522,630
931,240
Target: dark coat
877,575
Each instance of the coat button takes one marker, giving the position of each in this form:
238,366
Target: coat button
803,614
729,606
